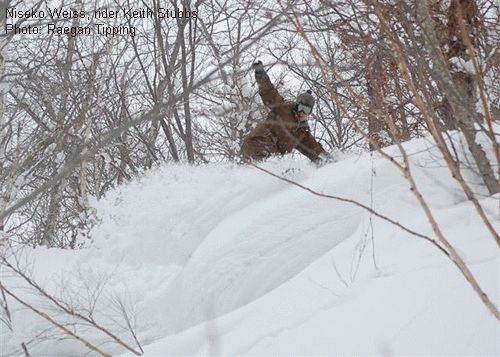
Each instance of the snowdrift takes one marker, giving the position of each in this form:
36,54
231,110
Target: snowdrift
225,259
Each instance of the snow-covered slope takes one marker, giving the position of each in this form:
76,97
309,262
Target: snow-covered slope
225,259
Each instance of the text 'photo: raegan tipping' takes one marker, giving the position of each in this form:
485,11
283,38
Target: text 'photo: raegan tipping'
50,21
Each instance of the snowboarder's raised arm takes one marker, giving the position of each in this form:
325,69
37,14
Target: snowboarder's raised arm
267,91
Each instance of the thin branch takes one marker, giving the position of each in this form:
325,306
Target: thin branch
87,344
347,200
67,310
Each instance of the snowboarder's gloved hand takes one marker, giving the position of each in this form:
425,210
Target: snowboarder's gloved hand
323,159
258,67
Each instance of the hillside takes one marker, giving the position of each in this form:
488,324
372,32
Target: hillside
226,259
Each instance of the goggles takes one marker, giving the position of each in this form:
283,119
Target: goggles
304,108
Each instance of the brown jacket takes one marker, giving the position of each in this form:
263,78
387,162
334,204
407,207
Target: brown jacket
281,132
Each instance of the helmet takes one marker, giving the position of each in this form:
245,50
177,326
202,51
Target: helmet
305,102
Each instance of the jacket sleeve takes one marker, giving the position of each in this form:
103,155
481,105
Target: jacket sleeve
309,147
267,91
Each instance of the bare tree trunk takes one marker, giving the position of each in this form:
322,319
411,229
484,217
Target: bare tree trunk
375,123
165,84
185,88
464,112
465,11
4,194
400,112
56,193
170,138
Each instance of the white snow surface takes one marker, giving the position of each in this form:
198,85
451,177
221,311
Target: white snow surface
225,259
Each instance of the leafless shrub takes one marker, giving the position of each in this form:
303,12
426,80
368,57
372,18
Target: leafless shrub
398,45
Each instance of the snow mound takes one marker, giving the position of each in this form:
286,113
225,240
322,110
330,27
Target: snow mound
226,259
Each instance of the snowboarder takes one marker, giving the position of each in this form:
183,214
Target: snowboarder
285,127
